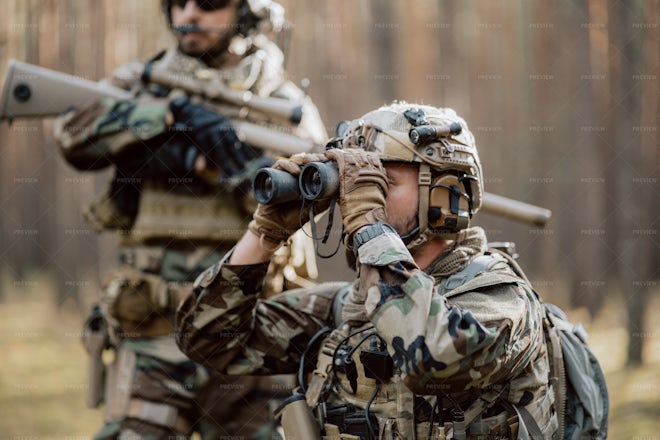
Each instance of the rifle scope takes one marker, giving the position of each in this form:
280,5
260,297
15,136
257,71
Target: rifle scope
317,180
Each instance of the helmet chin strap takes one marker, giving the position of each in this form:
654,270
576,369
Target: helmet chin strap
417,236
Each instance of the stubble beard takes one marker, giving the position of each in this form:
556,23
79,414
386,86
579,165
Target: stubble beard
207,53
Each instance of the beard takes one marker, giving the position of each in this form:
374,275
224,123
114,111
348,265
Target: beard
206,49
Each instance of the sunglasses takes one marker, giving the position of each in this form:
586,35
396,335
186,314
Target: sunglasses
204,5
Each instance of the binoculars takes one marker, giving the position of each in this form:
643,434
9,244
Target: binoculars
317,181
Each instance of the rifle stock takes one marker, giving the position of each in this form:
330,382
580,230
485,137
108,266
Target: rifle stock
36,92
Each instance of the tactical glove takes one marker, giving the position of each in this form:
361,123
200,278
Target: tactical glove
277,222
362,188
213,136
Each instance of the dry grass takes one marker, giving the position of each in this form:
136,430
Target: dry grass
42,373
42,377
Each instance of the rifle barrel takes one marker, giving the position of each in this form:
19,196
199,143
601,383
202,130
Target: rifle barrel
515,210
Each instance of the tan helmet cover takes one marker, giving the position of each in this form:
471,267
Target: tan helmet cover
386,131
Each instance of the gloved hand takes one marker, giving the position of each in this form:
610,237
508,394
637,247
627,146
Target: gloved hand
277,222
362,188
213,136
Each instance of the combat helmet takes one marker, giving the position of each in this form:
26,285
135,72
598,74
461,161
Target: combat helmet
450,175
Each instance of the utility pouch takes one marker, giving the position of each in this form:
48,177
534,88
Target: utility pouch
348,420
103,214
95,339
356,424
297,419
139,301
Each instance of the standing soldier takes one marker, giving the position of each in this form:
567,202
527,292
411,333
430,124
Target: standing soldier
437,338
180,199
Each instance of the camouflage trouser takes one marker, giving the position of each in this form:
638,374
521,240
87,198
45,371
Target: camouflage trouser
154,392
152,389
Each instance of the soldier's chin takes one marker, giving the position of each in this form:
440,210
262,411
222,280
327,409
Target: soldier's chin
192,47
205,50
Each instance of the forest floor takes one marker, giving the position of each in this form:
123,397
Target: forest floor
42,372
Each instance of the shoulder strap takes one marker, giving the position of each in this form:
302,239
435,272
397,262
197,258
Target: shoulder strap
512,263
483,271
558,373
148,66
157,89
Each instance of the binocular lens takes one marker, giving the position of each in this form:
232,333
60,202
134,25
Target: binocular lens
275,186
319,180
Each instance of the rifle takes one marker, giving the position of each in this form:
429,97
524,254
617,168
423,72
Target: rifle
34,91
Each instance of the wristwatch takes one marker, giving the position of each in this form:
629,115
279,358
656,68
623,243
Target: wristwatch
369,233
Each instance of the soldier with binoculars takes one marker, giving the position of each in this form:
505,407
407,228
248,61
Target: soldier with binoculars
438,337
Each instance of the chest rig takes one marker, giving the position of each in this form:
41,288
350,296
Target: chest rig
356,391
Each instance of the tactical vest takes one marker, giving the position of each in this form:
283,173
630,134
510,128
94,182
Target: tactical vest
370,400
167,215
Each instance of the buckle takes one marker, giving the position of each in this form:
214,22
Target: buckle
425,178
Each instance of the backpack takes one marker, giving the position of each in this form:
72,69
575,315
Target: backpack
581,397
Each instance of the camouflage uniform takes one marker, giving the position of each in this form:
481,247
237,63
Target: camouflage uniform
170,231
449,341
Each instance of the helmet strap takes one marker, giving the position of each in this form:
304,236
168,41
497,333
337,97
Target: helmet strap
418,235
424,181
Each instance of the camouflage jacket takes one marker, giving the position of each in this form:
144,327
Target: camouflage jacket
176,205
458,343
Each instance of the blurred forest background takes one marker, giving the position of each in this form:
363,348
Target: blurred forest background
561,96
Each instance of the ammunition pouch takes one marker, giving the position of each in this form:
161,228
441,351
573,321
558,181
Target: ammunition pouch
141,303
104,214
345,420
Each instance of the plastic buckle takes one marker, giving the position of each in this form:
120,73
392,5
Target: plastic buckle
425,178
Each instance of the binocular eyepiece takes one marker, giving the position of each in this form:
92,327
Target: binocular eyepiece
317,181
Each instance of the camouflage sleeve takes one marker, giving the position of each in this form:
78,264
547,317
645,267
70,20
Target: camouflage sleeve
225,326
93,135
450,344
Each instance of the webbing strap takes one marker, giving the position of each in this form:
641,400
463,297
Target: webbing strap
558,380
424,184
528,422
159,414
485,401
405,409
322,375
